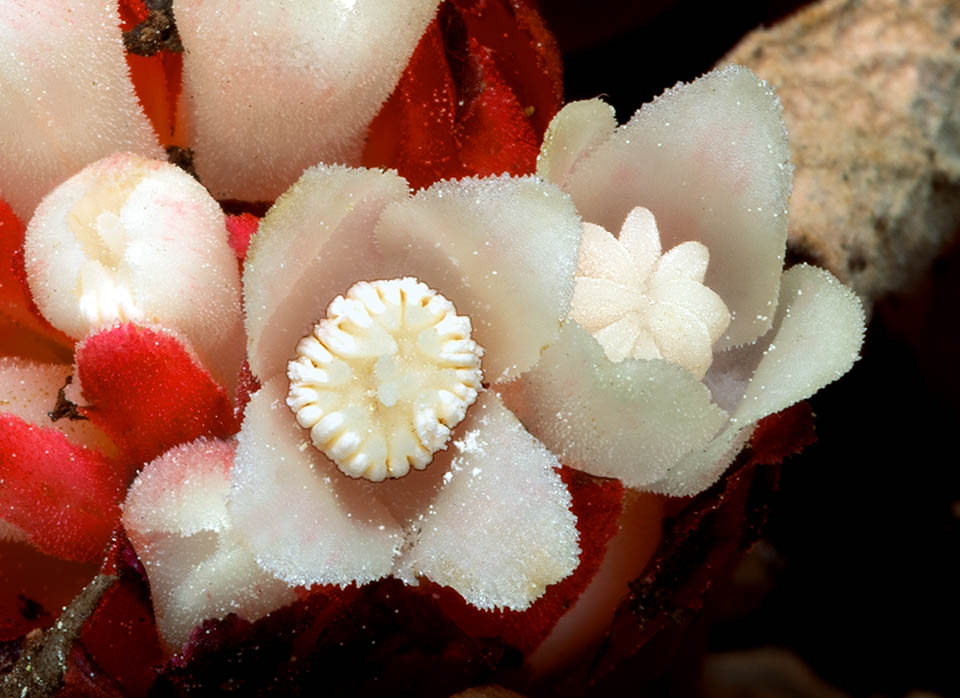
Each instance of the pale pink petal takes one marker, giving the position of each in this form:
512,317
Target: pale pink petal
306,522
576,129
29,390
817,336
631,420
711,162
500,529
273,87
198,567
65,96
131,239
313,245
503,249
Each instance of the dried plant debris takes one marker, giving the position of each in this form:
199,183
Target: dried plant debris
157,32
41,664
64,408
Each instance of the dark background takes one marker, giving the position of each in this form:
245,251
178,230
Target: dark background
855,573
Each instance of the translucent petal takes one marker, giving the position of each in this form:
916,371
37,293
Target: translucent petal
503,249
817,337
29,390
698,470
306,522
602,257
631,420
711,161
259,116
574,131
313,244
500,530
131,239
65,96
198,567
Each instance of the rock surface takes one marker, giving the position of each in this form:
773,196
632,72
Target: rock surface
871,97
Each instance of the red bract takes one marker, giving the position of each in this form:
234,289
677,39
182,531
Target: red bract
240,228
157,79
475,98
65,497
149,393
17,309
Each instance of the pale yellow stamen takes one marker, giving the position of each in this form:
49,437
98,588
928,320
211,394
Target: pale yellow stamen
385,377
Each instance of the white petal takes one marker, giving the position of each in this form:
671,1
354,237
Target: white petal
688,261
631,420
641,239
306,522
697,300
599,302
698,470
503,249
131,239
602,257
205,576
711,161
818,333
313,244
29,390
65,96
500,530
576,129
198,568
623,338
681,338
273,87
183,491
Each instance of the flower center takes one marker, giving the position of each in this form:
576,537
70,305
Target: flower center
384,377
94,219
641,303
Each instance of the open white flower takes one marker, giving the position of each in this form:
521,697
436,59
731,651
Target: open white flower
710,162
366,393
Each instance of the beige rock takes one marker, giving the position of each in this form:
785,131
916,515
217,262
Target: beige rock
871,97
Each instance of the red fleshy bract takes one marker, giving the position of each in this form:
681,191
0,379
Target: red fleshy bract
240,228
16,304
157,79
149,393
475,98
597,504
65,497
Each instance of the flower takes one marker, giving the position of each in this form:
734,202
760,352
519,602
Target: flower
710,162
689,352
169,380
